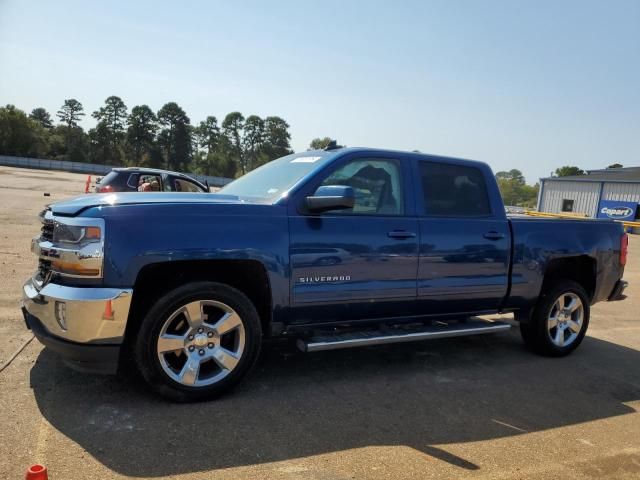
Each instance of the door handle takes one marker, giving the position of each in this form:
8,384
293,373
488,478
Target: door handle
493,236
401,234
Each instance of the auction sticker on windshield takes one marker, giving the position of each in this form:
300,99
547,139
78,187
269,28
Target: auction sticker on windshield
305,160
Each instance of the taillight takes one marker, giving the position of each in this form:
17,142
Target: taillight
624,249
105,189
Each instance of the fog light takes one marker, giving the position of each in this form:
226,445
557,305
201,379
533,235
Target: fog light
61,314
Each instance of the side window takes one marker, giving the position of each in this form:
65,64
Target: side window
149,183
185,186
454,190
132,181
376,183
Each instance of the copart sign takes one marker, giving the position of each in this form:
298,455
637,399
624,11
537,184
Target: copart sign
617,210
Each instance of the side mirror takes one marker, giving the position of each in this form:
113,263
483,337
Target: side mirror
331,197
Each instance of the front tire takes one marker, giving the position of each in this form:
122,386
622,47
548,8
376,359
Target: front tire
559,321
198,341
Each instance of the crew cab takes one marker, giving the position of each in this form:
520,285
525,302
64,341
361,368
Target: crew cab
334,248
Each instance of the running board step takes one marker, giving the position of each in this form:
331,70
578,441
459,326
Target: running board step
397,335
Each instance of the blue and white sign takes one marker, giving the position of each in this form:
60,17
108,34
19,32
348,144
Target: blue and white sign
617,210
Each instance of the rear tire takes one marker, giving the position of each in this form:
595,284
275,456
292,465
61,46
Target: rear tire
559,321
198,341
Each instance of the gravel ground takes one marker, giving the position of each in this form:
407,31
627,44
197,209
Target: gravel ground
478,407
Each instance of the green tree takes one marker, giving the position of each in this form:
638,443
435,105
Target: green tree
207,134
232,127
70,112
100,146
41,116
514,175
176,136
111,123
207,142
277,138
141,134
57,142
76,145
253,142
113,114
20,135
529,195
514,190
319,143
153,158
167,139
568,170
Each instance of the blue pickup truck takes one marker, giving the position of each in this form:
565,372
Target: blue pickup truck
334,248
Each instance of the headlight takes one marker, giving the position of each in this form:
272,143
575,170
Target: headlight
72,247
64,233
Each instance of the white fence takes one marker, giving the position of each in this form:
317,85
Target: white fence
89,168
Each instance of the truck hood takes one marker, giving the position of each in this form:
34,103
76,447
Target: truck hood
76,205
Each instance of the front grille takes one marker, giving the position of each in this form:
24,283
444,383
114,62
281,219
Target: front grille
44,270
47,228
43,274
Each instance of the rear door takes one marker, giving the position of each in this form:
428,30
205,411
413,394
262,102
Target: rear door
358,263
464,239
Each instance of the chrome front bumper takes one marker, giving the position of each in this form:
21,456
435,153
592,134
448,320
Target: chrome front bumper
79,314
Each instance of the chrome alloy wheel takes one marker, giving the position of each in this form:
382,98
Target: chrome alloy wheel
201,343
565,319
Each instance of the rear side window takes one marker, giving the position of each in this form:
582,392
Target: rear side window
132,182
454,190
185,186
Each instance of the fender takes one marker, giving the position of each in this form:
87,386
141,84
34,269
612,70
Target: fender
140,235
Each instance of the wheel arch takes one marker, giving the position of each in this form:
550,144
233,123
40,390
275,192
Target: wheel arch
582,269
155,279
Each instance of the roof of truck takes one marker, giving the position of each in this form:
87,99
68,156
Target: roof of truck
416,153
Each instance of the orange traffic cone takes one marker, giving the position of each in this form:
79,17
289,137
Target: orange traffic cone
36,472
86,187
108,311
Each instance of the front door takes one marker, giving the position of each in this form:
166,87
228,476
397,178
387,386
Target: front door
359,263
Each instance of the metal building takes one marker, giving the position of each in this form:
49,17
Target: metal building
609,193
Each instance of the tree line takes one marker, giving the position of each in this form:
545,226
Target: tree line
167,139
142,137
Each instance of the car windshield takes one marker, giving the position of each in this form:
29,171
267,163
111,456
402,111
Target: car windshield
275,178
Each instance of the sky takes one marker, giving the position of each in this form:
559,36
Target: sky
529,85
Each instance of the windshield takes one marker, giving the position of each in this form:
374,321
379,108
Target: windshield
275,178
